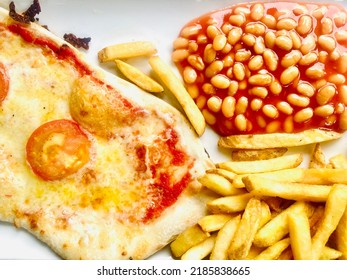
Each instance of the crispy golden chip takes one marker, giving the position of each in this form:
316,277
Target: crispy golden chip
277,140
223,172
259,166
138,78
126,50
260,186
187,239
334,209
316,217
274,251
169,78
246,230
341,236
229,204
214,222
258,154
338,161
219,184
317,158
300,236
330,254
201,250
224,238
277,228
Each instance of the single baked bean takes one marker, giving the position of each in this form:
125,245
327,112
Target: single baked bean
261,121
327,43
342,63
257,29
248,39
324,110
269,21
289,75
298,100
241,10
342,90
286,24
212,21
275,87
228,106
201,101
270,39
304,25
208,89
329,121
193,90
308,59
288,124
226,27
291,59
219,42
271,59
214,103
270,111
212,31
325,94
234,35
209,117
261,92
308,44
260,79
229,73
256,104
241,105
202,39
284,107
228,60
190,31
189,75
243,85
315,72
180,43
341,36
296,39
209,54
299,10
303,115
255,63
242,55
192,46
257,11
241,122
196,62
259,46
179,55
233,87
323,57
227,48
319,12
214,68
305,89
284,42
220,81
239,71
327,26
337,79
334,55
237,19
273,126
319,83
343,120
340,19
339,108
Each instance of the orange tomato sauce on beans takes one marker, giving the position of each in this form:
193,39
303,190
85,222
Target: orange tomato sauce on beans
267,67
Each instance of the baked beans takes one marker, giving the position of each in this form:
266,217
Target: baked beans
267,67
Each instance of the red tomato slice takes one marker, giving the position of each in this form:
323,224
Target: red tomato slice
4,83
57,149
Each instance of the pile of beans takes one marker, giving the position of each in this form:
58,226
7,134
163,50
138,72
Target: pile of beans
267,67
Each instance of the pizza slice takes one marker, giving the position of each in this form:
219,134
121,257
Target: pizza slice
90,164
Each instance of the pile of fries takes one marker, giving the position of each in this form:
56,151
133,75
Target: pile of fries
272,209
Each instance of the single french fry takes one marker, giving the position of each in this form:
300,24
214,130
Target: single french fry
214,222
341,236
338,161
259,166
287,254
219,184
277,140
277,228
225,173
138,77
265,214
126,50
169,78
224,238
300,236
187,239
201,250
246,230
258,154
274,251
330,254
229,204
317,158
316,217
260,186
334,208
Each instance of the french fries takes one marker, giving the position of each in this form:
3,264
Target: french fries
317,157
126,50
138,78
292,213
257,154
277,140
169,78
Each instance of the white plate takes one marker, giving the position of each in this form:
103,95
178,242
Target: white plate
115,21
